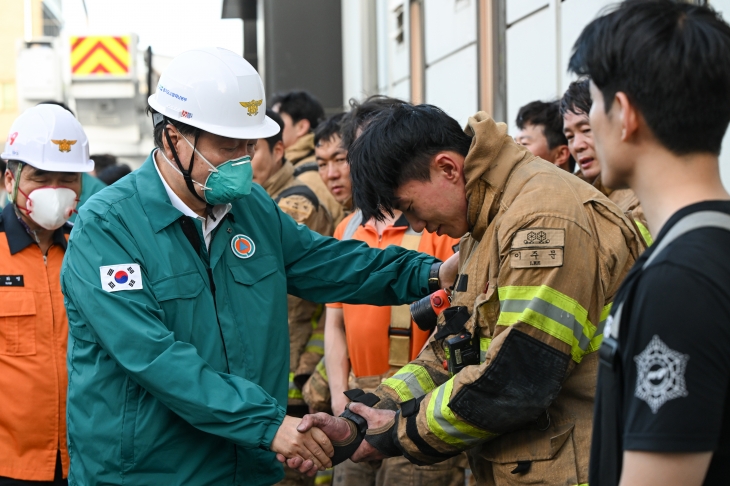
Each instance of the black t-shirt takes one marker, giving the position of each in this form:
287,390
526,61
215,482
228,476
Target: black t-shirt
667,391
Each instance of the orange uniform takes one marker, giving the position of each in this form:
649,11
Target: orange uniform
366,326
33,338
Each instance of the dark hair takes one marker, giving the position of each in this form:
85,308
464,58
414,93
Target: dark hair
672,60
397,147
328,129
274,139
102,161
360,115
157,135
299,105
577,98
546,115
113,173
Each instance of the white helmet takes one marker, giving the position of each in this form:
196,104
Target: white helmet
217,91
48,137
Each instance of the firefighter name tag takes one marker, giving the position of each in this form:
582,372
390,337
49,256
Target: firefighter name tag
537,258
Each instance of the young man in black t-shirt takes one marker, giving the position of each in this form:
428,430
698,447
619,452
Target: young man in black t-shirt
660,84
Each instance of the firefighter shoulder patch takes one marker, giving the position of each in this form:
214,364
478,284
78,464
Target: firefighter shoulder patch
126,276
298,207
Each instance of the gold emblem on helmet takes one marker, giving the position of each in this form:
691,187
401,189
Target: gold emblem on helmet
252,106
64,145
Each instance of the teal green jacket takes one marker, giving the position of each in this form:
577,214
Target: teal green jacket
90,185
183,378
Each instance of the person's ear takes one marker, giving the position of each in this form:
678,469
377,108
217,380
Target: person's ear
446,165
176,140
278,152
8,179
561,155
628,116
302,127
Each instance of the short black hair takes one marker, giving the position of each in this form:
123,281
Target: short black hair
672,60
111,174
184,129
360,115
397,147
274,139
547,115
328,129
577,98
299,105
102,161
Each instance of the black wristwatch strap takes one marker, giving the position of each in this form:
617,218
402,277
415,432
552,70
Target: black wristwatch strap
433,278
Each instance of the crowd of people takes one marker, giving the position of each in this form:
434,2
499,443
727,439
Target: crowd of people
236,311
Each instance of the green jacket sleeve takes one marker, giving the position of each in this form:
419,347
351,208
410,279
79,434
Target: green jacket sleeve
128,326
324,269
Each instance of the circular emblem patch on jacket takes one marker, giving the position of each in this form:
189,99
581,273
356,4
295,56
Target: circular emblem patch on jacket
242,246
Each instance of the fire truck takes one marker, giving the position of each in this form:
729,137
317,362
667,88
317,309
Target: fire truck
103,79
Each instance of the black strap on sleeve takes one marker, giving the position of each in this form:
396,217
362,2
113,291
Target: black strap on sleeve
455,317
303,191
306,167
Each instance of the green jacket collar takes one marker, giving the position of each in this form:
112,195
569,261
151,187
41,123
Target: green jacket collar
155,203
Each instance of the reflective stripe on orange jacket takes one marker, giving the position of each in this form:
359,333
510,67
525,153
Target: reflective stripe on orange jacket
33,338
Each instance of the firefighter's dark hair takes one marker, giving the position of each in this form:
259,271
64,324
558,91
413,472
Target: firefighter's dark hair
396,147
328,129
546,115
672,60
360,115
274,139
299,105
577,98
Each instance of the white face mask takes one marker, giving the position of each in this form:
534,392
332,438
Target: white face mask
50,207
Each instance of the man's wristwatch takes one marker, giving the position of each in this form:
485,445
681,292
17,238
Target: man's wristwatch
433,277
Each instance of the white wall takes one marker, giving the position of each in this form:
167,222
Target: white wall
723,6
451,56
540,38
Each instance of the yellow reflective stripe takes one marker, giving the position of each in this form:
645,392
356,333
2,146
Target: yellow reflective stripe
315,344
550,311
411,381
323,477
320,368
644,233
483,347
294,392
444,424
598,337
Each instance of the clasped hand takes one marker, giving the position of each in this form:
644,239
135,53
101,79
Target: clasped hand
337,430
309,448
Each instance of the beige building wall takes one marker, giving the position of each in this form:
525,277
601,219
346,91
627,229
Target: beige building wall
12,28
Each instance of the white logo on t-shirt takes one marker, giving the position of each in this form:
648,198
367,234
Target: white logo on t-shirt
660,374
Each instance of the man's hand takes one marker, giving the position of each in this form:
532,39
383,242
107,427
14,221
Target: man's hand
311,448
448,271
376,418
338,430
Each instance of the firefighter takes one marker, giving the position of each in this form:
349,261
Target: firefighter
175,281
47,152
301,113
541,258
574,108
306,322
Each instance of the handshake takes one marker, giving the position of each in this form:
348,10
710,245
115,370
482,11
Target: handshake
309,444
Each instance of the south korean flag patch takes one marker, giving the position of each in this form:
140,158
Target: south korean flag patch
115,278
